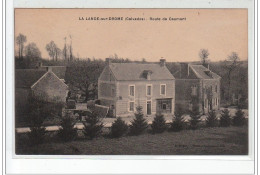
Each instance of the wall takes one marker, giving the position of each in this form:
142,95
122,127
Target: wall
140,98
51,88
21,100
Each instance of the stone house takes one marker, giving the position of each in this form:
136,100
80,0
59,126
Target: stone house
124,86
39,83
197,84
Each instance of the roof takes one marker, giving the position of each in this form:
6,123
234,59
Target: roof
57,70
25,78
135,71
203,72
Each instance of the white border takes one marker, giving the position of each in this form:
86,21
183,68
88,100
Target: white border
131,164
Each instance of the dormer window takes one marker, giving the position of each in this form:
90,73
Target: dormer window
147,74
208,73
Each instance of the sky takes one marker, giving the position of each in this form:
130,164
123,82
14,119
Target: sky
221,31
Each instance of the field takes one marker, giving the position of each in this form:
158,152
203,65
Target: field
204,141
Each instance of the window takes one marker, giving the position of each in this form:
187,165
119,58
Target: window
205,103
194,90
149,90
164,106
216,101
216,88
163,89
131,106
132,90
112,92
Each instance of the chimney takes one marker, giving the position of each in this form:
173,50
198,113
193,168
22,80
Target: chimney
184,70
108,61
49,68
162,62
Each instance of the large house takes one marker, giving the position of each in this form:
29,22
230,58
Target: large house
40,83
124,86
197,85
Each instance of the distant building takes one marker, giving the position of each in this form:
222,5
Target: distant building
197,85
39,83
124,86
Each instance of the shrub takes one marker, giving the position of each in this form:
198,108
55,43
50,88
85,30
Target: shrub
37,134
239,118
118,128
159,124
67,132
139,124
92,126
225,119
195,117
177,122
212,120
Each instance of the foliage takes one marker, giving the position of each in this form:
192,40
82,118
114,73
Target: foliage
82,77
204,54
92,126
37,131
139,124
53,51
212,120
159,124
177,122
239,118
118,128
195,116
225,119
32,55
67,132
20,40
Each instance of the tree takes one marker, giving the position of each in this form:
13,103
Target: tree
177,122
159,124
52,49
225,119
82,76
239,118
139,124
231,64
211,120
204,54
118,128
67,132
32,55
195,116
20,40
92,126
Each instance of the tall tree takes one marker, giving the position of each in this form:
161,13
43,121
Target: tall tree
204,56
64,51
51,49
231,64
70,50
57,53
20,40
32,55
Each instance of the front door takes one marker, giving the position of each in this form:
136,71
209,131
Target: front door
149,108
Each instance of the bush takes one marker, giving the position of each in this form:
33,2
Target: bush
118,128
195,117
177,122
37,134
225,119
159,124
67,132
139,124
92,126
212,120
239,118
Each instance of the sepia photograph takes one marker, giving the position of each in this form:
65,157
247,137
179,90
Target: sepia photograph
131,81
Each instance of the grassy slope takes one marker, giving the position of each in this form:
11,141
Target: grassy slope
204,141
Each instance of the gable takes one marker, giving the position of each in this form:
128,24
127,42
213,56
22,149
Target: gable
107,75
